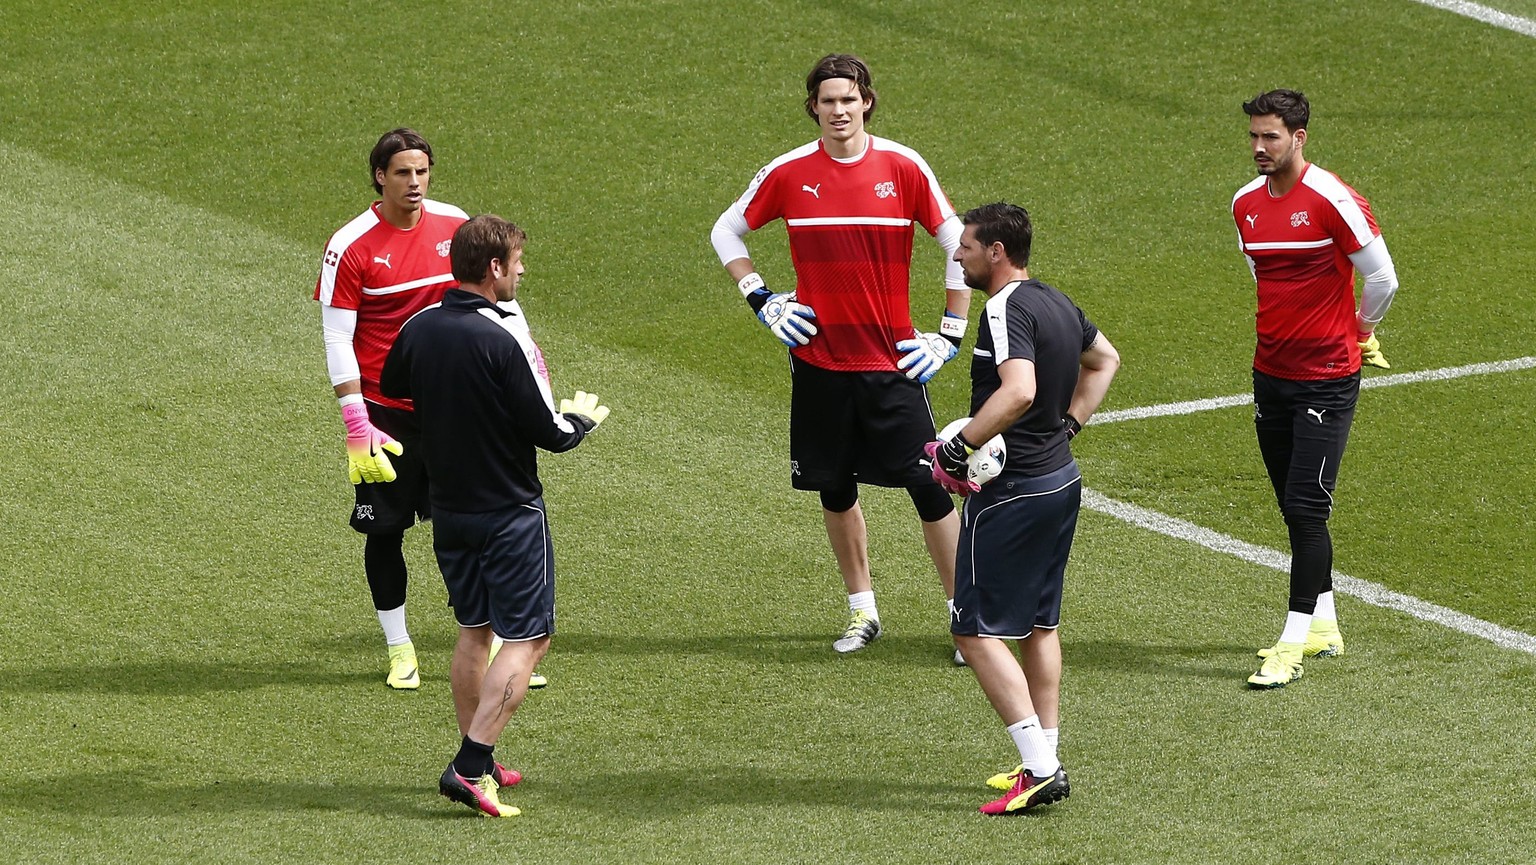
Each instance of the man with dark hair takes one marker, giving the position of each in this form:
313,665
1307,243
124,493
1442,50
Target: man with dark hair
1304,233
1040,371
859,410
379,270
482,397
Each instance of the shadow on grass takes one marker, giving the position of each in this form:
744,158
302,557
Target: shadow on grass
1198,660
917,650
173,678
641,794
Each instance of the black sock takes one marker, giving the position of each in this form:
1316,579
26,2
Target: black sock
474,759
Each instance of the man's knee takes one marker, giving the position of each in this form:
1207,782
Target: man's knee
932,503
841,499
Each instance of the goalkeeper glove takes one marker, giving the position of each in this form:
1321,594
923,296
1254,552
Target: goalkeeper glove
925,353
1370,351
368,447
584,410
789,320
951,465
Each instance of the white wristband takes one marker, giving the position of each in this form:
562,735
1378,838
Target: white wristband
953,326
750,283
350,399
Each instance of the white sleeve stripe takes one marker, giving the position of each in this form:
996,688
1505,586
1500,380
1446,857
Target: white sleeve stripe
528,350
409,286
762,174
946,210
337,247
1329,186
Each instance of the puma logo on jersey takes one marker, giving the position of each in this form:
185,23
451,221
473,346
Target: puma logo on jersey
1252,218
814,190
384,261
1316,413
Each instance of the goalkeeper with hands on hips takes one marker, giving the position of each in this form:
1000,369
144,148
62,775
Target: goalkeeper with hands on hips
859,410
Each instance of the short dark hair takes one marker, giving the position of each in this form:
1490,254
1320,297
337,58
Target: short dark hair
392,142
839,66
480,239
1003,223
1290,105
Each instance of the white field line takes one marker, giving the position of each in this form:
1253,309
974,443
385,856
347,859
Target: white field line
1198,405
1485,14
1365,590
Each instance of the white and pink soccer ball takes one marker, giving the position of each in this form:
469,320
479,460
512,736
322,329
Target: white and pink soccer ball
988,460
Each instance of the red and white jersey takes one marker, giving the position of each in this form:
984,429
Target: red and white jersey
388,275
850,236
1299,245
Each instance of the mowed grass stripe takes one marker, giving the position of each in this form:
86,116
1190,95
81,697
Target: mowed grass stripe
1365,590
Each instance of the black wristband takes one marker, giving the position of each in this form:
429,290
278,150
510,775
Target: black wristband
587,424
757,298
953,340
1073,427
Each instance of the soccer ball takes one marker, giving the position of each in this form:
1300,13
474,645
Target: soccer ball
988,460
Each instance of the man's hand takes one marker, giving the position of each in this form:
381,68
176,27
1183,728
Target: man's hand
925,353
1370,351
584,406
789,319
368,447
951,465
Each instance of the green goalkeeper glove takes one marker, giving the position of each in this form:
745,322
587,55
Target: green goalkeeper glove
1370,351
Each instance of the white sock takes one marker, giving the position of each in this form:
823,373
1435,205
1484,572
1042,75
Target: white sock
1052,735
1296,625
1035,752
863,601
394,626
1325,606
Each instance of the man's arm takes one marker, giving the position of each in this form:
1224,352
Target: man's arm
368,447
788,319
1096,369
1375,263
1007,404
926,352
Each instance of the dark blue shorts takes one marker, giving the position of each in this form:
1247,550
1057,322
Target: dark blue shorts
499,567
1015,536
397,505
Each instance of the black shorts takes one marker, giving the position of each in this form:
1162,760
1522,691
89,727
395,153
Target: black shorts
1015,536
856,427
397,505
1303,427
499,567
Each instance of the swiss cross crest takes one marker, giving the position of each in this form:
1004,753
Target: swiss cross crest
442,248
1299,218
331,257
886,189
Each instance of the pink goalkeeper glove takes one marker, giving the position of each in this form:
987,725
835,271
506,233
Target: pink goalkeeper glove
960,486
368,447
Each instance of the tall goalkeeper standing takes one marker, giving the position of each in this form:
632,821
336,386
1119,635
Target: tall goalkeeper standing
859,411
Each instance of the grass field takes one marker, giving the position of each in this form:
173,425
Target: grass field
191,671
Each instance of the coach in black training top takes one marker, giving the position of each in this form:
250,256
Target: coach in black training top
482,397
